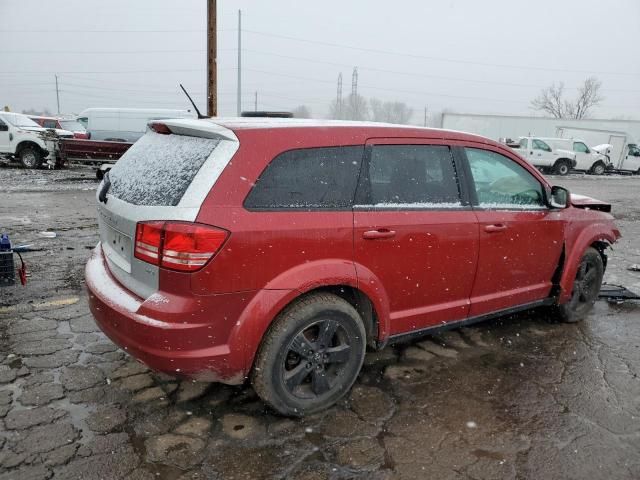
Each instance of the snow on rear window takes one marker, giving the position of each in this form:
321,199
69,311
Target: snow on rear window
158,169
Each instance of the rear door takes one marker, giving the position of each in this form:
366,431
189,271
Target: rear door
520,237
415,236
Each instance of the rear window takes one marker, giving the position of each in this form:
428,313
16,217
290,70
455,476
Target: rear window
158,169
311,178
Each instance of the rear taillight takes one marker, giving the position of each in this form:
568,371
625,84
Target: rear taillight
181,246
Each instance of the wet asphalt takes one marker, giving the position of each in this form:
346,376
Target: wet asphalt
518,397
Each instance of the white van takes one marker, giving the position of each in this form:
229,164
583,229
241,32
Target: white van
124,124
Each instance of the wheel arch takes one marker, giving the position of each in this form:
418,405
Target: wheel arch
29,143
594,236
255,321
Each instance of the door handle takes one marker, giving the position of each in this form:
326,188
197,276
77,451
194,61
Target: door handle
499,227
380,233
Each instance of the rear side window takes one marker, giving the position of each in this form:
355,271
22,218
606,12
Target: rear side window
158,169
410,176
310,178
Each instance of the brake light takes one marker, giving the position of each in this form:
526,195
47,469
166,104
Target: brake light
181,246
160,128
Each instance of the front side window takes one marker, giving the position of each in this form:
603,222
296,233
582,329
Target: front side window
540,145
49,124
580,147
310,178
420,176
500,182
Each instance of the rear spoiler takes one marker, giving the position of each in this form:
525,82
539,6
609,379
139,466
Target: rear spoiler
193,128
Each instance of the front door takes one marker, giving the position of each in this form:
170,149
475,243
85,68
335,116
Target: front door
4,137
584,158
520,237
415,240
541,153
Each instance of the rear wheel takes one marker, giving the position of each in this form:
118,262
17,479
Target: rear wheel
310,356
598,168
561,167
30,157
586,287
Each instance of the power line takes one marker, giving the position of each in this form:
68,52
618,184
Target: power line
417,75
440,59
109,52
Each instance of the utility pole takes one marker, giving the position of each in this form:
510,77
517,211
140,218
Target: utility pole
239,62
57,95
354,82
212,59
255,105
425,115
339,97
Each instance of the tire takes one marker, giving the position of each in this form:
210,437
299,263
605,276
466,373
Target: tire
562,167
310,356
598,168
30,157
586,287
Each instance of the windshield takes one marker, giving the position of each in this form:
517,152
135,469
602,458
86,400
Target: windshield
72,125
19,120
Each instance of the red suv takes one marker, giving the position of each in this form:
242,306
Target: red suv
280,250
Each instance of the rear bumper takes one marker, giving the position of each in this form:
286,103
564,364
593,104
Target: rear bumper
196,346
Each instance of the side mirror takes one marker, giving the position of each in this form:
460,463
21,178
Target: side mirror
560,197
4,127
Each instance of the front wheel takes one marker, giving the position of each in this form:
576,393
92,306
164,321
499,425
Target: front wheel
562,167
586,288
30,157
598,169
311,355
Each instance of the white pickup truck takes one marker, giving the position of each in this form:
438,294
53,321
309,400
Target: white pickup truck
538,153
587,159
23,139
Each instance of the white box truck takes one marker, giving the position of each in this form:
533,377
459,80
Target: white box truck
620,147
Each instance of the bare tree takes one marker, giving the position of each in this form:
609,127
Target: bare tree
392,112
301,111
588,96
355,108
551,100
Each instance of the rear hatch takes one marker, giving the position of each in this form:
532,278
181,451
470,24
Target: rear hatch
163,176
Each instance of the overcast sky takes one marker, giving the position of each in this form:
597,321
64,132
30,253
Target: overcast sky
489,56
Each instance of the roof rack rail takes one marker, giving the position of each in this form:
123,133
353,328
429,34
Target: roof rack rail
267,114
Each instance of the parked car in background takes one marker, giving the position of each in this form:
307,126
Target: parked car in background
66,124
620,147
279,250
541,155
23,139
124,124
587,159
